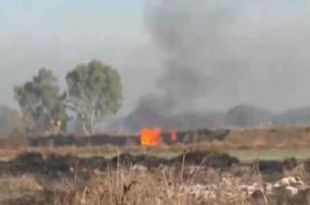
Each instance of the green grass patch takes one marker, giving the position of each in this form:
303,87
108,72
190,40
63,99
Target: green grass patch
249,155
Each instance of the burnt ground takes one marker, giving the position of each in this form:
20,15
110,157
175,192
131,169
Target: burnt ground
51,169
185,137
35,162
53,164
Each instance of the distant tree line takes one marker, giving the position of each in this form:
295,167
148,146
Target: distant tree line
93,91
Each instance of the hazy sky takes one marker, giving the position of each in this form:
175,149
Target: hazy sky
58,34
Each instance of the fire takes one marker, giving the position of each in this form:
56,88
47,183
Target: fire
173,136
150,137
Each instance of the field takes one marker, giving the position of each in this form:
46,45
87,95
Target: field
249,155
243,168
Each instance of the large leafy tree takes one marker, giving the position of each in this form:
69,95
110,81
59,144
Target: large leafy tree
41,104
94,91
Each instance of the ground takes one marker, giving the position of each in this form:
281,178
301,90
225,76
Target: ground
153,175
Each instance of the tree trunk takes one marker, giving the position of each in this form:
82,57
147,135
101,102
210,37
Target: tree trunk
92,123
85,128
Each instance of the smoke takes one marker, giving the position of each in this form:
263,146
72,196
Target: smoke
219,54
189,35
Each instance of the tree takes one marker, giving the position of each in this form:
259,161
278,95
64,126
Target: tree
94,91
41,104
247,116
8,119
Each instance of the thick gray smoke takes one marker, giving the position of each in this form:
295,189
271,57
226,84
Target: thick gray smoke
189,35
219,54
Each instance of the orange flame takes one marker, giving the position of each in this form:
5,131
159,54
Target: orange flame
150,137
173,136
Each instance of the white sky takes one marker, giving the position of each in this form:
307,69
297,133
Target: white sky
60,34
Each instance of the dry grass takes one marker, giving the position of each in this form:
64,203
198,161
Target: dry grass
280,138
132,187
162,186
245,144
17,186
176,186
137,186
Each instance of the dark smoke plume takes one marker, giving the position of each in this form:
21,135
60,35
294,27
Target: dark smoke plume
223,53
189,36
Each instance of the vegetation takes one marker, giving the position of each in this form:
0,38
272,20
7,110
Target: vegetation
8,119
93,91
137,184
41,103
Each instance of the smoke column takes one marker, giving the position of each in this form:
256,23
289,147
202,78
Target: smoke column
189,36
223,53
